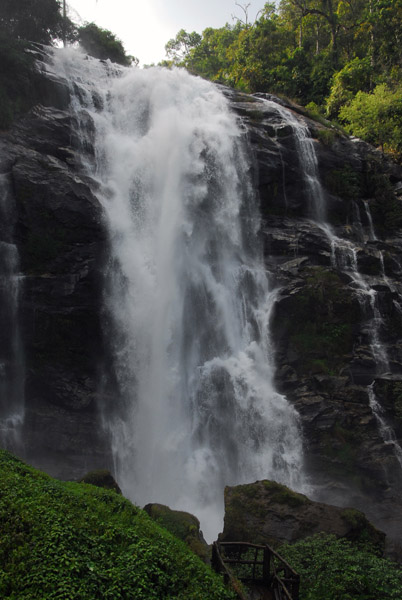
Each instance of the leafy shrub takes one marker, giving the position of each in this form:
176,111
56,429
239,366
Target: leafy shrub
102,44
335,569
376,117
73,540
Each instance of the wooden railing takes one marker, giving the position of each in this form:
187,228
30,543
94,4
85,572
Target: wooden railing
255,565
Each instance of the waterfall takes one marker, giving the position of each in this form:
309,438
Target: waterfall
372,236
12,371
187,298
344,258
387,433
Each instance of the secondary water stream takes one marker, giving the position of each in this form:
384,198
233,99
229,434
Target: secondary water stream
12,369
344,258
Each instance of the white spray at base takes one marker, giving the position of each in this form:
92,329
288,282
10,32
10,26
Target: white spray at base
188,298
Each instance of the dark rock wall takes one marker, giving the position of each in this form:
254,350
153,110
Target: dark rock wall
62,243
322,331
322,335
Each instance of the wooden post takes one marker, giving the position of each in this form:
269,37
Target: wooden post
266,567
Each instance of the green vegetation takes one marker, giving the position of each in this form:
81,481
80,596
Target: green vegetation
73,540
41,21
103,44
336,569
341,57
34,20
376,117
182,525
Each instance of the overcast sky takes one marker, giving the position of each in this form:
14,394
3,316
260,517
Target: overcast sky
144,26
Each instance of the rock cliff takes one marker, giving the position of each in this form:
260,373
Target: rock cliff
337,325
338,321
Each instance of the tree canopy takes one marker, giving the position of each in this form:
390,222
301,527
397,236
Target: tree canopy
324,52
103,44
34,20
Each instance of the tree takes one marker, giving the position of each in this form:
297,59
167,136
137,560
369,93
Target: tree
103,44
376,117
178,48
34,20
355,76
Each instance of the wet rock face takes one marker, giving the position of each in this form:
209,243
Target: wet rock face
61,242
337,326
266,512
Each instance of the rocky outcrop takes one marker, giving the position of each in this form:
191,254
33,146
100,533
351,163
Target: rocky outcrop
61,242
266,512
101,478
183,525
337,326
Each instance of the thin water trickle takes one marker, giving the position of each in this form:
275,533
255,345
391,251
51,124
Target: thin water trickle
12,367
187,294
372,236
387,433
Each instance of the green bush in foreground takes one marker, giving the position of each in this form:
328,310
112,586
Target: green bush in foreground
335,569
72,541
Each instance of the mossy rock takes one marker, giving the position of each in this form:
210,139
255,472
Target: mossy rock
183,525
101,478
267,512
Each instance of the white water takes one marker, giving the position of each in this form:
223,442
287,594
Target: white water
188,298
372,235
12,371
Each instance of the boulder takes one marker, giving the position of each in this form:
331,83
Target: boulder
101,478
266,512
181,524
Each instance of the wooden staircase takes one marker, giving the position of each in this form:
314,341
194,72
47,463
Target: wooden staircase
265,575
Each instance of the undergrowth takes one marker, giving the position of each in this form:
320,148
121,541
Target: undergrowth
336,569
70,541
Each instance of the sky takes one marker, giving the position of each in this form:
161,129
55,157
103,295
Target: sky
144,26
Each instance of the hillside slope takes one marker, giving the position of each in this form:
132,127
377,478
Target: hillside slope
70,540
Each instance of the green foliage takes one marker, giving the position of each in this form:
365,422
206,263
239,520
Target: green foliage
376,117
103,44
312,51
336,569
182,525
352,78
71,540
17,80
34,20
177,49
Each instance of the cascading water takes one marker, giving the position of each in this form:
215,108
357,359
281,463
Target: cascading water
372,236
387,433
344,258
187,296
12,372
